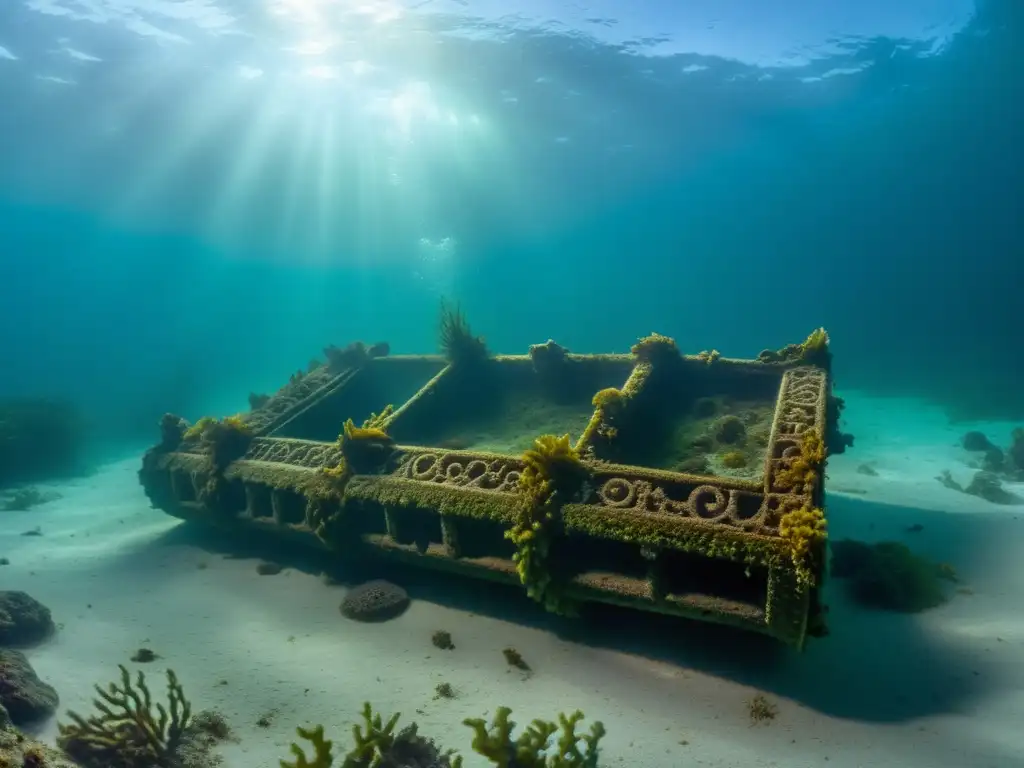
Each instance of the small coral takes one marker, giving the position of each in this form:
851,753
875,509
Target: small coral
815,349
442,639
515,659
761,710
734,459
804,529
366,448
444,691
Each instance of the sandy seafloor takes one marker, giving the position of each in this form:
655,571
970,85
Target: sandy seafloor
942,688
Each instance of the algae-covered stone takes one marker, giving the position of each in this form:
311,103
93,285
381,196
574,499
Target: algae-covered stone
23,619
25,697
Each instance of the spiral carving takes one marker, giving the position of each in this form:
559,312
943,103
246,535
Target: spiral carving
709,503
801,409
301,453
485,473
618,493
709,508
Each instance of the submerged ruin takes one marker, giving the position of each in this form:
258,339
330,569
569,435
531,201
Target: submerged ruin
682,484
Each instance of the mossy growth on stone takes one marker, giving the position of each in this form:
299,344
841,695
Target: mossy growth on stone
656,349
457,479
709,356
814,350
609,404
364,449
552,474
224,440
368,448
804,469
804,530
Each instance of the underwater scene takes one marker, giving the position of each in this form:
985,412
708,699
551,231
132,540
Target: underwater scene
539,384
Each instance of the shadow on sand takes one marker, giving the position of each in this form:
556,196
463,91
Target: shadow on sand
873,667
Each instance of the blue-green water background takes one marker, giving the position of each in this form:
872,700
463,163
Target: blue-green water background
741,212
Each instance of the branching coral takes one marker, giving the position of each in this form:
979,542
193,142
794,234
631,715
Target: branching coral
804,469
128,731
655,349
552,472
804,530
458,343
376,746
322,754
531,749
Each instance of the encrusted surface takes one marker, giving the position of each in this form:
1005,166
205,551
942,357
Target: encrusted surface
629,526
292,397
801,408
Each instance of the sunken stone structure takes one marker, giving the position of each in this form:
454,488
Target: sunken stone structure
688,485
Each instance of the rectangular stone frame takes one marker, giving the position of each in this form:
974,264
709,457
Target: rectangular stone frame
275,487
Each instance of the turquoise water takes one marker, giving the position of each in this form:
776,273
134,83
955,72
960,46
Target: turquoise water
198,196
192,201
